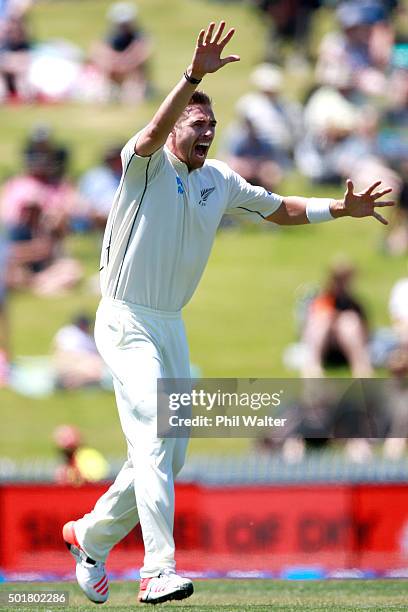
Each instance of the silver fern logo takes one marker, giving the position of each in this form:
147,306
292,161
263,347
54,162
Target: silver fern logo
205,194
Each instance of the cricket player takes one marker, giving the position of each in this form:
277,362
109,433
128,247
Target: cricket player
159,234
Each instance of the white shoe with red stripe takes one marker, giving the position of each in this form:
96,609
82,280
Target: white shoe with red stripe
164,587
91,575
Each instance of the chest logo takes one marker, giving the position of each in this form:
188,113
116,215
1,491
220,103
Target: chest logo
205,194
180,187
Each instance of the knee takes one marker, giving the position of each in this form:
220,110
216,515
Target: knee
349,325
318,328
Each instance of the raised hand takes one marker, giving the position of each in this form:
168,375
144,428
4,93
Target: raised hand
363,204
207,54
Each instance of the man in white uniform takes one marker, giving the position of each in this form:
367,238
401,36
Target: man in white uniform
157,241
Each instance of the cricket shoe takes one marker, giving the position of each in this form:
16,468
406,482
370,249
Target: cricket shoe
164,587
91,575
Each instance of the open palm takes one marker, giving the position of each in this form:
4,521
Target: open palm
207,54
364,203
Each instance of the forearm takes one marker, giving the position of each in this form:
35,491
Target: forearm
156,132
294,210
299,211
206,59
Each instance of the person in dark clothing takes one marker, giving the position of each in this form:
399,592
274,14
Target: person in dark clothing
336,326
15,46
123,56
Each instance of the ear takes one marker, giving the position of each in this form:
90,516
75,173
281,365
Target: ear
171,139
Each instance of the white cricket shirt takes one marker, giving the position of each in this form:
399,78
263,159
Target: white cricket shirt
163,222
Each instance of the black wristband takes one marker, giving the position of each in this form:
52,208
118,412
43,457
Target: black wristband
191,79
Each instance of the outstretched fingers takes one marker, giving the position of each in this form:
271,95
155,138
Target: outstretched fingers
210,45
380,218
209,34
219,32
380,194
350,187
200,39
385,203
371,188
227,38
229,59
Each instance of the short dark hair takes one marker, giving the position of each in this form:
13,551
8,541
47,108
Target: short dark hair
199,98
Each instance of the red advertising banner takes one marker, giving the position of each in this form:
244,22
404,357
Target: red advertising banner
243,528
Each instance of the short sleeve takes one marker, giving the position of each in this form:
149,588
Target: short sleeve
139,163
249,201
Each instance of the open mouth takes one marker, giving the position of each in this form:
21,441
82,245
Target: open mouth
201,149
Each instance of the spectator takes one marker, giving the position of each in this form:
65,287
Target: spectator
288,21
393,138
398,308
42,182
321,412
123,57
273,118
253,157
76,358
80,464
41,145
98,186
341,141
362,47
336,327
324,153
15,46
37,258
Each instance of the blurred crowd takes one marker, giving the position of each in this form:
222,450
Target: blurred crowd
115,68
350,117
326,105
39,208
364,417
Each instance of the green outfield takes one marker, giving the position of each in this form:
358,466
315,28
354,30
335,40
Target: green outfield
242,316
246,595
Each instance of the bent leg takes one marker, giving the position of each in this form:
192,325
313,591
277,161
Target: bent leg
316,337
351,338
129,347
114,515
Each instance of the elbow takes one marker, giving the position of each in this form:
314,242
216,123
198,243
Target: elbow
291,209
285,215
152,132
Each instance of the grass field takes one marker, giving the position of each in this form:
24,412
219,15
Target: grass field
239,322
241,318
248,595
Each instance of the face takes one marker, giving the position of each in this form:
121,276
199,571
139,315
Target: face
359,34
192,136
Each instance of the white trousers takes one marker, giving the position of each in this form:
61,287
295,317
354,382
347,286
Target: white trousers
139,345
